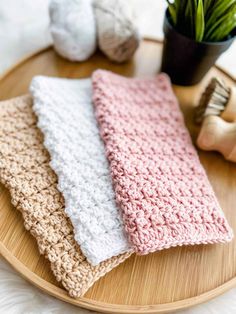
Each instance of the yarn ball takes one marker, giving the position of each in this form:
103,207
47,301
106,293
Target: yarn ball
73,28
118,36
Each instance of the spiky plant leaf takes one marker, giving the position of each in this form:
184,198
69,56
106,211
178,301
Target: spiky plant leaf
218,10
208,20
208,5
173,13
200,23
223,26
190,17
223,31
181,4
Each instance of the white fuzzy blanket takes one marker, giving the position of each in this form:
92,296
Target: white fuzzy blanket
23,30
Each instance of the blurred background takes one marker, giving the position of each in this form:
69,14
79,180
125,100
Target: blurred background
24,29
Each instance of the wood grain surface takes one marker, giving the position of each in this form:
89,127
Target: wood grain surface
164,281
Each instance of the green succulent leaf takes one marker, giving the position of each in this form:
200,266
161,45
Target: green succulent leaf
208,20
208,6
200,23
173,13
222,27
190,17
219,9
223,31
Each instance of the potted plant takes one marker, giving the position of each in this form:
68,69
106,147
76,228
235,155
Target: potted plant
196,32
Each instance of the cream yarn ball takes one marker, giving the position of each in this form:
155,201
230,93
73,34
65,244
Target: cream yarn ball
73,28
118,37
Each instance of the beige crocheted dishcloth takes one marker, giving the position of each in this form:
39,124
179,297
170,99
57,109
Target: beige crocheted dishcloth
25,171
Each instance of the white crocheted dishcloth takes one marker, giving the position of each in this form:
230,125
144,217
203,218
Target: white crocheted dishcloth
65,113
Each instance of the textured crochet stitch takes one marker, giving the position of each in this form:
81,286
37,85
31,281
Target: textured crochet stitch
160,184
25,171
66,118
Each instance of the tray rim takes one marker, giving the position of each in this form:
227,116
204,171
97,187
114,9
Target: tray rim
103,307
91,304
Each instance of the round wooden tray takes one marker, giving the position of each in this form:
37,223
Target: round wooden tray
166,281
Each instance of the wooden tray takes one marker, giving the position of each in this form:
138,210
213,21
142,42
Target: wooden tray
162,282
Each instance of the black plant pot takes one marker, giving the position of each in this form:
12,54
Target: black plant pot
185,60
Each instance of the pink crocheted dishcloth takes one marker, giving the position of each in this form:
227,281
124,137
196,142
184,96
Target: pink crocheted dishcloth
160,185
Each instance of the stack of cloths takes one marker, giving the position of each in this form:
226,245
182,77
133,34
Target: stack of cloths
113,171
25,171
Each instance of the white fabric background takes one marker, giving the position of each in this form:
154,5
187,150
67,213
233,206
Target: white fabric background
23,30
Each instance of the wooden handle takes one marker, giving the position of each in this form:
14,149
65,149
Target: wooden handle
219,135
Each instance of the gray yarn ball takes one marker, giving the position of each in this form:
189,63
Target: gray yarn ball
118,36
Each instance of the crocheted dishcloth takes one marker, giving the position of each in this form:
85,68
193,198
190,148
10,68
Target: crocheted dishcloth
160,185
25,171
66,118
